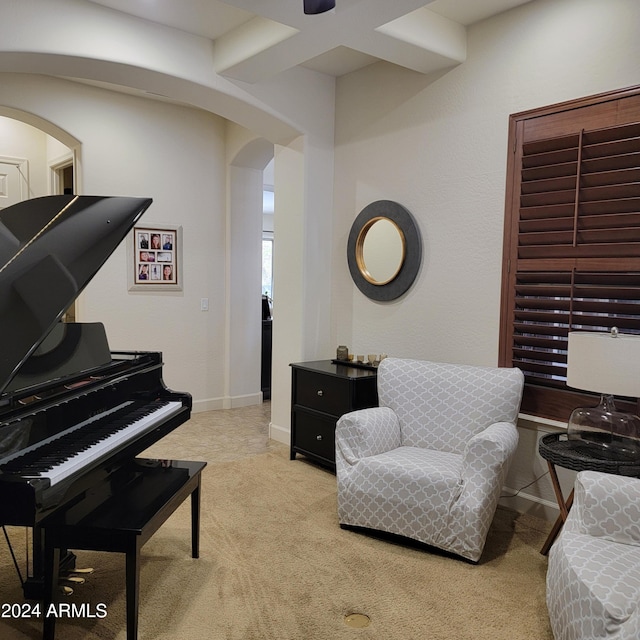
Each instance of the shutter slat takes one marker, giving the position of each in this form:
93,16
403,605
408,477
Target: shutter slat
609,236
547,145
608,134
542,303
552,157
550,184
560,170
608,307
531,329
617,147
608,250
550,197
610,220
546,360
547,238
541,342
610,163
619,205
546,224
552,211
613,177
609,192
601,221
551,319
604,323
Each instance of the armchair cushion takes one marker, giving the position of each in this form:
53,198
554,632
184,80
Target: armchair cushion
608,507
392,490
455,401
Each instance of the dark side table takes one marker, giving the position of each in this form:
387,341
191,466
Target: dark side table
321,392
559,451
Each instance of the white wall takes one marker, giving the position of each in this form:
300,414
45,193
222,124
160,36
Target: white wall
177,157
439,147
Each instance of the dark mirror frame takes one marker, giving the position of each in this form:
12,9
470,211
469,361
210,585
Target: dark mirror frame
413,250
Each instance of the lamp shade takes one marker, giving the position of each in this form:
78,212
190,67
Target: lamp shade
606,363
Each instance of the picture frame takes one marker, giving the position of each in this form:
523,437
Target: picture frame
155,258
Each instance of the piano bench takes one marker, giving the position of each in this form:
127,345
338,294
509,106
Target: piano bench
145,494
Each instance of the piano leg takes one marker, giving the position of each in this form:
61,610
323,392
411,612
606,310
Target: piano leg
195,521
133,587
51,573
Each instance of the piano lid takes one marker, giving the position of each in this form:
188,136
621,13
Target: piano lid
50,248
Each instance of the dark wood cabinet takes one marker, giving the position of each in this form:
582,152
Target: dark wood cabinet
321,392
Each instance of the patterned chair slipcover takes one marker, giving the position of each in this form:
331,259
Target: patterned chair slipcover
593,580
430,461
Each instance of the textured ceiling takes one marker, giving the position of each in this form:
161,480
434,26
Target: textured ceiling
254,40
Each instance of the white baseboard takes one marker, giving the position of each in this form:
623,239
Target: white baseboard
247,400
212,404
228,402
532,505
279,434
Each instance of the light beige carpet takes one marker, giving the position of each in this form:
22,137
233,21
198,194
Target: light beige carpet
275,565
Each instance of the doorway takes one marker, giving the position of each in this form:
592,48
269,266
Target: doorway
62,176
267,280
14,180
62,183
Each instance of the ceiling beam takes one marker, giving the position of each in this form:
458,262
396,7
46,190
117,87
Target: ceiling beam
422,40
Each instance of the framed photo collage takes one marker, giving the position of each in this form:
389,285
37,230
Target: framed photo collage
155,256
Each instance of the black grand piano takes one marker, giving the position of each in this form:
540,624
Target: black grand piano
72,412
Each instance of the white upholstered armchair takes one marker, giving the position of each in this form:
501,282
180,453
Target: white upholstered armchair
430,461
593,580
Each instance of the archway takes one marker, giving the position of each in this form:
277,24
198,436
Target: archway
37,158
244,276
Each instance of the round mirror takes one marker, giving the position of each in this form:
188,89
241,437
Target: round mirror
380,250
384,250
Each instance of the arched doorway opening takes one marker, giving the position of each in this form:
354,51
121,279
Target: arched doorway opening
36,159
245,232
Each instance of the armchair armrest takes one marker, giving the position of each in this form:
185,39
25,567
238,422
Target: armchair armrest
366,432
485,463
487,457
607,506
490,449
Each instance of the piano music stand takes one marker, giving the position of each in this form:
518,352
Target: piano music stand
123,524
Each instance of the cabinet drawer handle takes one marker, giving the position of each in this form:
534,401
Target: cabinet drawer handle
320,392
318,437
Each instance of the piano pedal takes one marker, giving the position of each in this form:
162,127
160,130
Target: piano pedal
65,591
82,571
72,579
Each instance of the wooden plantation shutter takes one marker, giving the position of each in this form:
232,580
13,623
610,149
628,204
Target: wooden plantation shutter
572,238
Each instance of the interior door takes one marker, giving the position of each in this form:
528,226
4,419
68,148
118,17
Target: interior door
14,181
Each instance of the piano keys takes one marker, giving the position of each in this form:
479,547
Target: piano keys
73,413
57,458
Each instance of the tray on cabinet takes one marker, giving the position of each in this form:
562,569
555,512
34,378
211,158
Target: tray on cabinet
356,364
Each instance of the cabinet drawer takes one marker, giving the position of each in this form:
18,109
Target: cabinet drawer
314,434
323,393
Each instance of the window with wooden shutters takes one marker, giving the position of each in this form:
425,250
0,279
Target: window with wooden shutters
572,238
